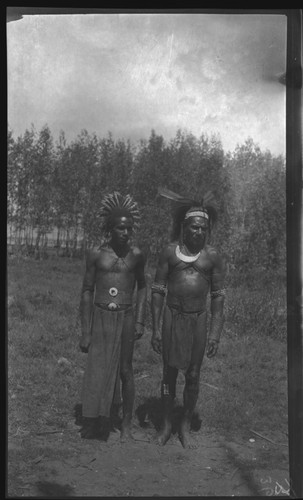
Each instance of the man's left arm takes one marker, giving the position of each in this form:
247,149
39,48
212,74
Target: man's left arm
141,297
217,295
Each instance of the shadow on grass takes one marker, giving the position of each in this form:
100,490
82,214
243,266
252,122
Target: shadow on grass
151,413
48,489
97,428
246,471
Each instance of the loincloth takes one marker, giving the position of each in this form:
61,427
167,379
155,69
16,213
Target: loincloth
184,337
101,383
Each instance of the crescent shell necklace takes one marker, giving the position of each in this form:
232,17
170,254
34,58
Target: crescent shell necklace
186,258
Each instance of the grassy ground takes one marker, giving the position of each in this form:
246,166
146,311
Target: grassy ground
244,388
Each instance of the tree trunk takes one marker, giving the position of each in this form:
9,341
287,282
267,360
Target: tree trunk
58,242
67,243
37,244
84,246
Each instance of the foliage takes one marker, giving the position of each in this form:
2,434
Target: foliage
257,210
21,160
41,194
60,188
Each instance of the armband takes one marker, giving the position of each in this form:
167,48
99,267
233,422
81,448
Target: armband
158,288
218,293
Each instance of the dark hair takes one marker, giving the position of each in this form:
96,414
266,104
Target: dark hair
115,205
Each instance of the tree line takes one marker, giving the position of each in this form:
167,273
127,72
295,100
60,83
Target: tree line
56,186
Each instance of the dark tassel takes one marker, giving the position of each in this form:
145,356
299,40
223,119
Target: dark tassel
167,193
208,198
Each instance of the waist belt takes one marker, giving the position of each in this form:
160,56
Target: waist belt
113,296
112,306
185,304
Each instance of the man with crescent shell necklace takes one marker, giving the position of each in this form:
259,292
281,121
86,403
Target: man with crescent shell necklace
188,269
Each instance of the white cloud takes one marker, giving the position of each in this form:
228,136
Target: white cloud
126,73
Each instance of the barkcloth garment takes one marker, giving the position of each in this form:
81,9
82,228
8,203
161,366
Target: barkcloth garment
101,383
184,336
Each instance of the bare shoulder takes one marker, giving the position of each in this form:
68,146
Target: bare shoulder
92,256
216,258
169,249
166,253
138,253
211,251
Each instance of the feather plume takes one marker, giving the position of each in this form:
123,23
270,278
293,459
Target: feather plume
114,201
207,199
183,204
167,193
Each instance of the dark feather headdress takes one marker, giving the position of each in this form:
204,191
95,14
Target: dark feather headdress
185,205
116,205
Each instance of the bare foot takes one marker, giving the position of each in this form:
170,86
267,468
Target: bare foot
164,435
187,441
126,435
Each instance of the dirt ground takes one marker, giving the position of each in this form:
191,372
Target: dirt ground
46,455
62,464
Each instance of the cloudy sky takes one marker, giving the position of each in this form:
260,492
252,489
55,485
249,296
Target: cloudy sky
130,73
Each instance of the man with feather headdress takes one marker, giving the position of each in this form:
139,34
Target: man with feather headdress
188,269
110,322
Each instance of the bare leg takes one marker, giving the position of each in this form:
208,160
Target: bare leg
168,391
190,397
168,387
128,395
115,416
191,389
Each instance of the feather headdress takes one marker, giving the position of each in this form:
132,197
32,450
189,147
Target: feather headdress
185,205
116,205
207,199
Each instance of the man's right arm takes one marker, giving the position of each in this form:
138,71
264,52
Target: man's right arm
158,292
217,294
86,303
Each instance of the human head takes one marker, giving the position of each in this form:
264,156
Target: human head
184,215
195,230
121,228
116,208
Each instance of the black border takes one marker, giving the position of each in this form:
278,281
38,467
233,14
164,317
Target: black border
294,209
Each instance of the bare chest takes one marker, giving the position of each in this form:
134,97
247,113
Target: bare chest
202,266
109,263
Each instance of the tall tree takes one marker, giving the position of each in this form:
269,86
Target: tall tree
12,182
20,175
257,207
149,172
41,189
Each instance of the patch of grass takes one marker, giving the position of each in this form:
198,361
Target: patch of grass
250,374
257,312
244,387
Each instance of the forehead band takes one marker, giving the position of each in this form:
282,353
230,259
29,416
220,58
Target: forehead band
196,213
